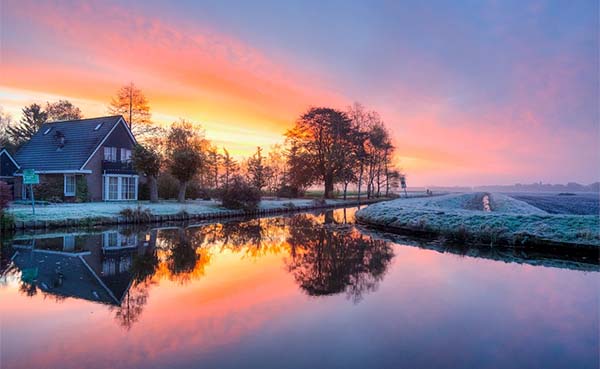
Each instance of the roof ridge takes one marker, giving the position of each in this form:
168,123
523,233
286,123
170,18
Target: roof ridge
82,119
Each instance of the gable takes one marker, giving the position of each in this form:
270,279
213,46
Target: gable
119,136
8,166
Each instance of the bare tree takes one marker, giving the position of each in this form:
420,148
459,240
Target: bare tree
131,103
230,167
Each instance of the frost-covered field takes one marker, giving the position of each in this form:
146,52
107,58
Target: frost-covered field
554,203
112,209
510,221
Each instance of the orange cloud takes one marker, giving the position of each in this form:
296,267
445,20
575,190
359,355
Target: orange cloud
185,71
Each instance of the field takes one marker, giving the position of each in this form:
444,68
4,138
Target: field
511,221
554,203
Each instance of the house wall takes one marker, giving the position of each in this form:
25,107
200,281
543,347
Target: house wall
50,188
119,138
94,180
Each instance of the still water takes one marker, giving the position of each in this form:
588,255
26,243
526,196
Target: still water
306,291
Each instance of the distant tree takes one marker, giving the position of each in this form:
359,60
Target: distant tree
213,160
185,155
277,167
148,161
373,151
298,174
131,103
31,121
5,122
322,138
62,110
230,167
257,169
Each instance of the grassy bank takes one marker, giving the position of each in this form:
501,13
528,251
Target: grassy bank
511,222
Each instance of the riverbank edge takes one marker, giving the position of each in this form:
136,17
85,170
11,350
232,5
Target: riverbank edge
524,241
180,216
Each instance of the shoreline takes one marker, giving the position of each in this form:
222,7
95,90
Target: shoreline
182,215
531,242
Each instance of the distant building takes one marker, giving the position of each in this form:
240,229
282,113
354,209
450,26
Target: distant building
80,160
8,167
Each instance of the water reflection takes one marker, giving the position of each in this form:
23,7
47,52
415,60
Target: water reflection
324,253
330,260
313,286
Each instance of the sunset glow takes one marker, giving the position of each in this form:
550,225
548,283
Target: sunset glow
478,93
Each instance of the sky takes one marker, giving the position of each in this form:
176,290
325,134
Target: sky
474,92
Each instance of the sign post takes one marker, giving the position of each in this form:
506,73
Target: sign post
30,178
403,183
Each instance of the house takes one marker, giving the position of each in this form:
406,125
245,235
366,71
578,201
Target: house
80,160
8,167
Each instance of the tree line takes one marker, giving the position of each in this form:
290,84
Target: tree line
326,147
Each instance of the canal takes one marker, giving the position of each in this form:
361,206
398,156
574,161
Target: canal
306,290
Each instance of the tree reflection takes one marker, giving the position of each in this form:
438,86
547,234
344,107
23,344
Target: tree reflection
185,256
328,260
132,305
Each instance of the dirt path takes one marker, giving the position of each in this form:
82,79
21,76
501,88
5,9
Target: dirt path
480,201
486,202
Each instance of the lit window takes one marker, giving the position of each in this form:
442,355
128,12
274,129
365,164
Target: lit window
70,185
110,153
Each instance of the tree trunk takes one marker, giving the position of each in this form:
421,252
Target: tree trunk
329,218
345,189
328,186
153,189
182,188
360,177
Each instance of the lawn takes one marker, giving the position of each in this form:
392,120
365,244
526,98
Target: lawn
22,212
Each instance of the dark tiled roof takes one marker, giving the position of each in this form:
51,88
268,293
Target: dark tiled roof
42,153
62,274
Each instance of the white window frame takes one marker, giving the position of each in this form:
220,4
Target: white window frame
69,242
125,155
69,193
112,153
120,187
120,241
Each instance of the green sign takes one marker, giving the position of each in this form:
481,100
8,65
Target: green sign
30,178
29,275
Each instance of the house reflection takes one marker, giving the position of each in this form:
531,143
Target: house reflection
95,267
